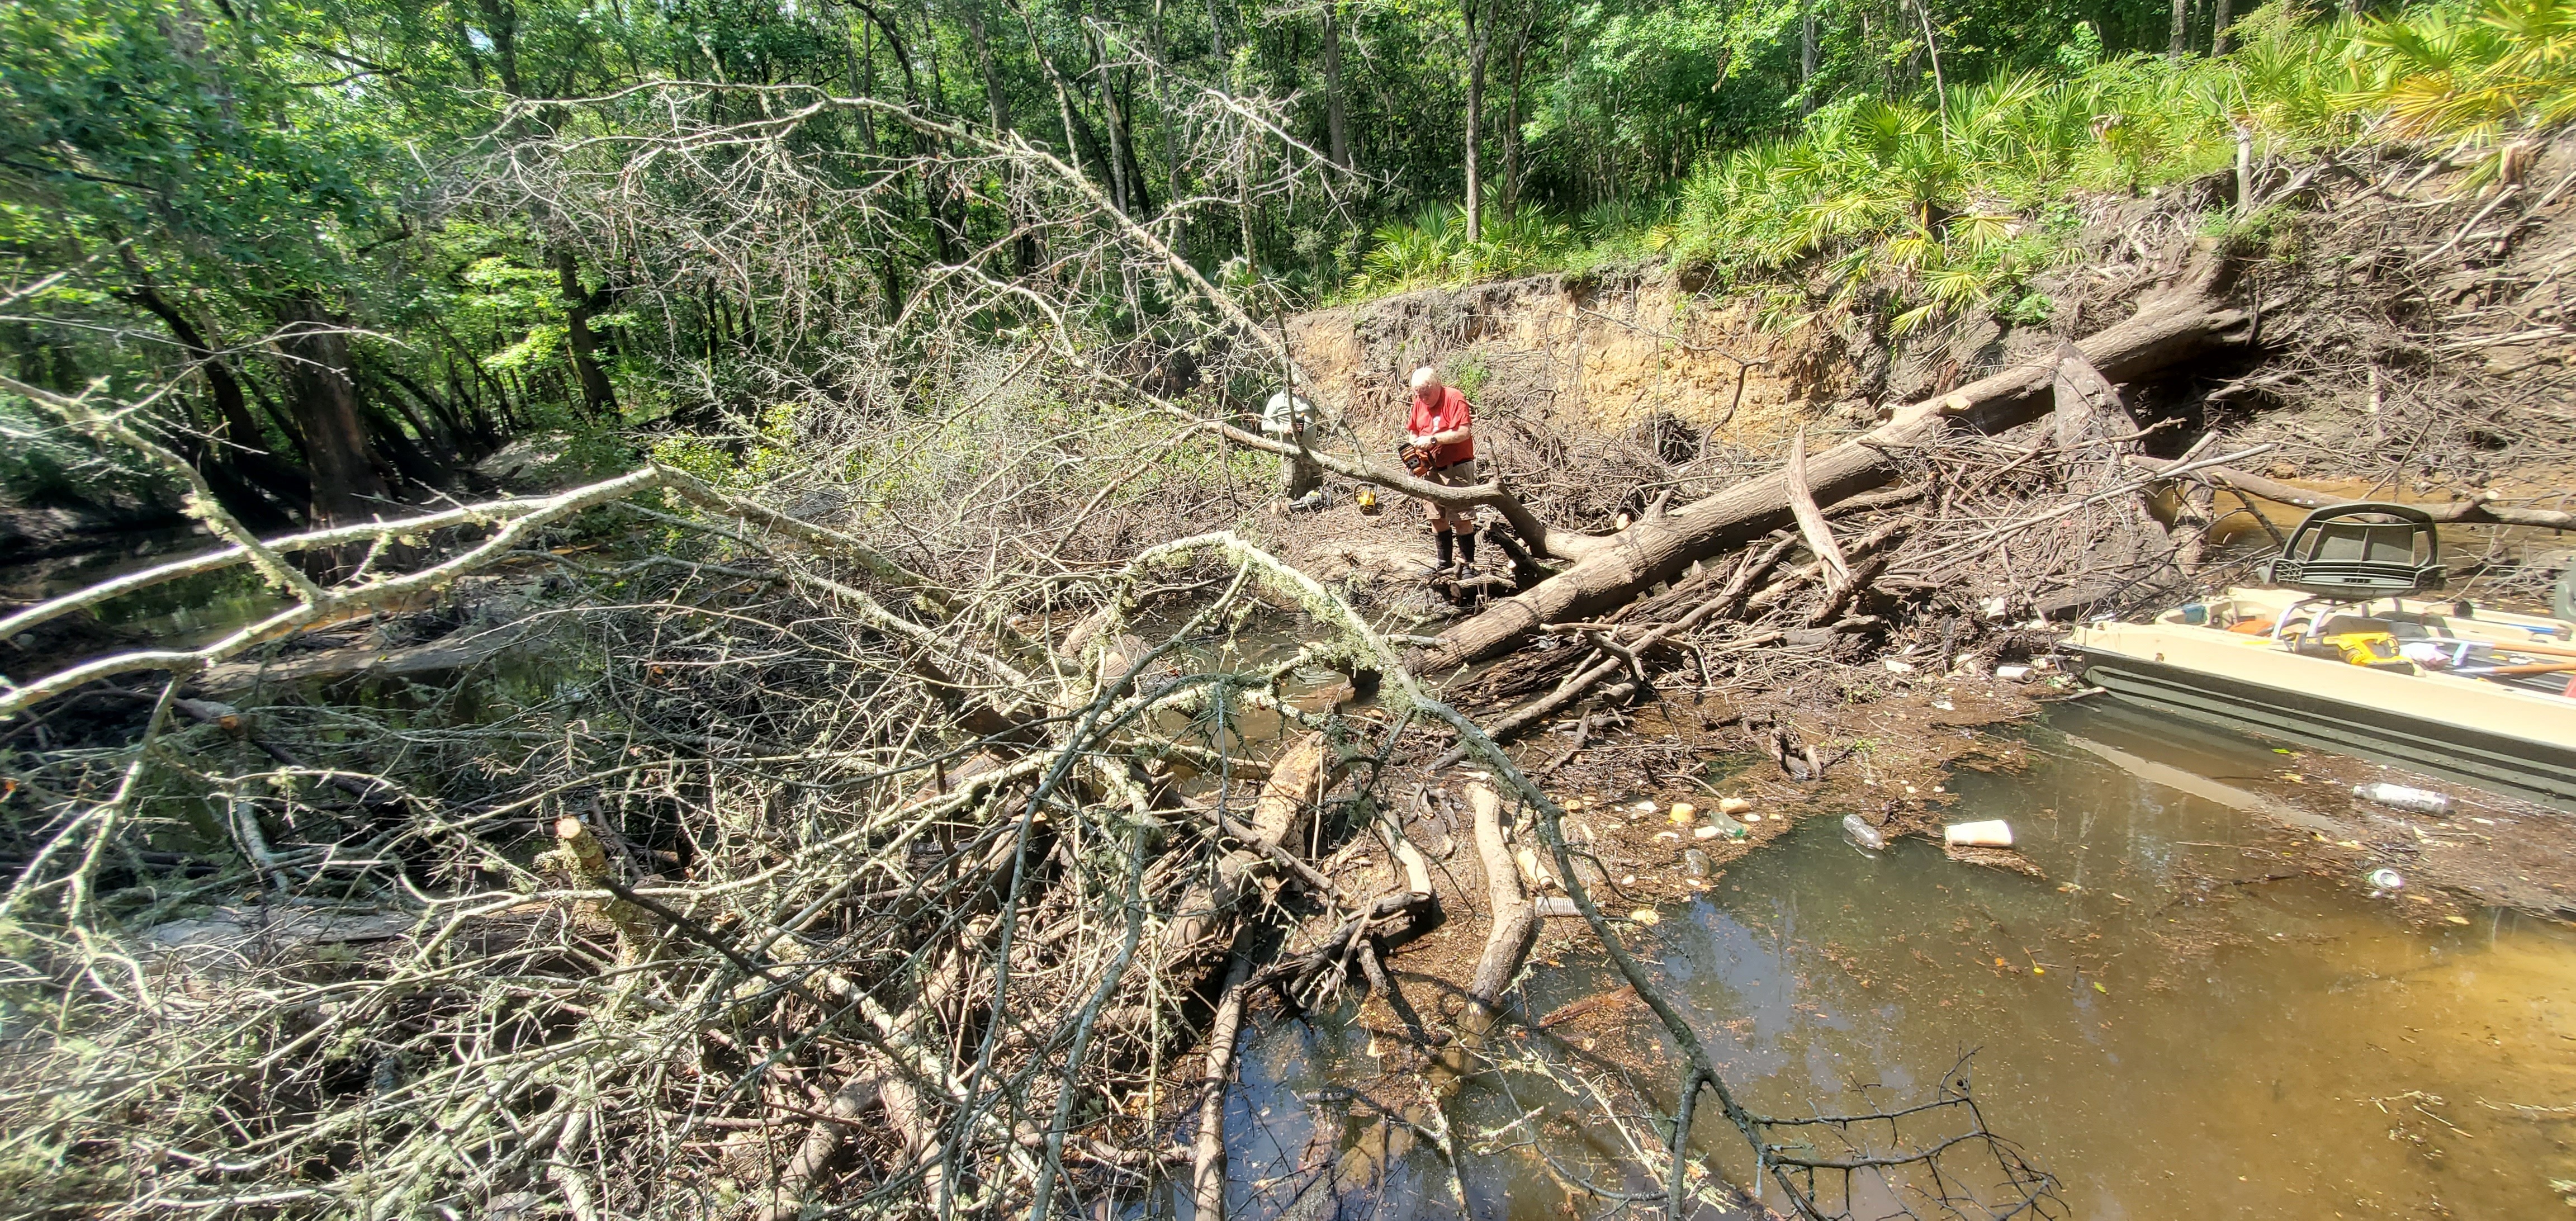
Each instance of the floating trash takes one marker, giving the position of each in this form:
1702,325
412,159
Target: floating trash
2401,797
1862,835
1991,833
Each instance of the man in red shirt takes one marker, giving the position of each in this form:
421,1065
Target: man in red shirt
1443,425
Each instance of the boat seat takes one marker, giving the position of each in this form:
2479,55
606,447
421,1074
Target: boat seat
2410,625
2339,625
2358,551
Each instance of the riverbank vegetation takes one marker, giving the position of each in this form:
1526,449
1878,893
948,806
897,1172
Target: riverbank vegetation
1933,203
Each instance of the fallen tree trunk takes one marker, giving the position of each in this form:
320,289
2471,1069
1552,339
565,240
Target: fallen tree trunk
454,652
1658,548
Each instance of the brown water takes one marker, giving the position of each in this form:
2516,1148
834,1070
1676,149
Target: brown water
181,613
2170,1036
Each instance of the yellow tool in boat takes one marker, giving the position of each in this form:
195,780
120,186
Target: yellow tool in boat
2377,650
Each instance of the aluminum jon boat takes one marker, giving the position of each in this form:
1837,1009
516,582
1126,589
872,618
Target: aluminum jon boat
2343,659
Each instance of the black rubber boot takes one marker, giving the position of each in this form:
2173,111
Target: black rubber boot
1467,550
1447,541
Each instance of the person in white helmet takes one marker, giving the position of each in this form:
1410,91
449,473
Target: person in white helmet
1289,417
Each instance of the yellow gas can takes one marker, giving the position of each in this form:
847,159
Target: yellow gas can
2378,650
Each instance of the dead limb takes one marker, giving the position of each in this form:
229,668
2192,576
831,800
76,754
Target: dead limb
1515,920
1205,916
822,1143
1542,538
1728,599
1811,520
1207,1176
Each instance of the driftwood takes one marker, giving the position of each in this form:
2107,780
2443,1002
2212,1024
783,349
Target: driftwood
1515,926
1811,520
2093,430
1658,548
1752,569
1207,1174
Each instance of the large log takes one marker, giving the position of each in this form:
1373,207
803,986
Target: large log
1659,548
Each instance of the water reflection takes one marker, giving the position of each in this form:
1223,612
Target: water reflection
2176,1020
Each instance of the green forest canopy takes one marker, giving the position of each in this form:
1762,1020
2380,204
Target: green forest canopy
347,249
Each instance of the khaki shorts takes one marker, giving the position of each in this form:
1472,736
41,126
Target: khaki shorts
1455,475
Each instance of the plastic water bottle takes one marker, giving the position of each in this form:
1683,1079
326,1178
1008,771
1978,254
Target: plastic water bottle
1867,837
2400,797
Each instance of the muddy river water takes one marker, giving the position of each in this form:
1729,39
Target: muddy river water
2162,1022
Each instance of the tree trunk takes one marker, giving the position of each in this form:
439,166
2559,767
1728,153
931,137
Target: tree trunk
996,103
1932,49
430,435
233,491
2218,19
410,458
501,25
1172,154
277,415
1024,246
1336,122
1511,193
598,397
1113,123
324,400
470,404
1659,548
231,409
1476,35
1806,56
1080,146
1140,191
465,438
2180,40
240,443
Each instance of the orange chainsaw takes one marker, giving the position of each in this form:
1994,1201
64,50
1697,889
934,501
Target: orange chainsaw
1416,458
